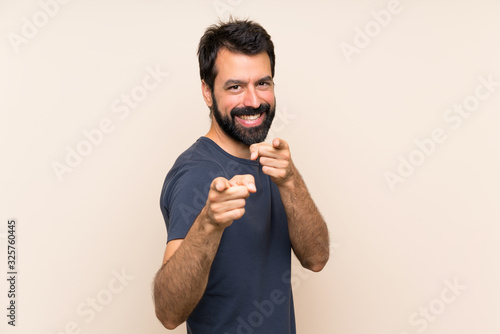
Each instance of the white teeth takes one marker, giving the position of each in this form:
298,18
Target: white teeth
250,118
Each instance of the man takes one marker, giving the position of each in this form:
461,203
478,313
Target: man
235,206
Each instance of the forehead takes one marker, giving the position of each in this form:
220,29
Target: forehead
239,66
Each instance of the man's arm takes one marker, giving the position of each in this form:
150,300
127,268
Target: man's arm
182,279
307,229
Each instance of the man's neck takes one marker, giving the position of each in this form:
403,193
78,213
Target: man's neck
228,144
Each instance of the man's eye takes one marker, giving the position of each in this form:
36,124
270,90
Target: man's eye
234,87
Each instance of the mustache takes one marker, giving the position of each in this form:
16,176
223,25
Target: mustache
247,111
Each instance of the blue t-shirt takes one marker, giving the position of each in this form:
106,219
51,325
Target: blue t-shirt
249,288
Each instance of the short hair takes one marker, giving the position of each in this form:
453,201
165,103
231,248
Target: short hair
238,36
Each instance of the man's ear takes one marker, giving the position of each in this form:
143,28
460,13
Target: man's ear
207,93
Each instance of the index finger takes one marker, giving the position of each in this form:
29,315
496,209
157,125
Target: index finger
274,150
280,144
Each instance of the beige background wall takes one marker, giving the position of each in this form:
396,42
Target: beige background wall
417,254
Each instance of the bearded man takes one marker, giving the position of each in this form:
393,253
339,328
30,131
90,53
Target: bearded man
235,206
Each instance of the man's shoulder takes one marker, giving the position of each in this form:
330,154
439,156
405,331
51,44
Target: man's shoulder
200,150
198,158
196,165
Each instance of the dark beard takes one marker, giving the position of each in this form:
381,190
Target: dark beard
247,136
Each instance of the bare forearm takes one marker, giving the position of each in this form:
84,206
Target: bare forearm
181,282
307,229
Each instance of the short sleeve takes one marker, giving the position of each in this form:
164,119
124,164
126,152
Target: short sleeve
184,195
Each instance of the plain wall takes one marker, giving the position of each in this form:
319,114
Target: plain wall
366,92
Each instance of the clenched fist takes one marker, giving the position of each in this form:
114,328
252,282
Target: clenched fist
227,198
275,159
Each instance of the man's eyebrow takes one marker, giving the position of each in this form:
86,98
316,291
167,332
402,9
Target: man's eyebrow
233,82
266,78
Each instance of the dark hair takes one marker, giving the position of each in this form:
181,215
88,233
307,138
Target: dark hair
238,36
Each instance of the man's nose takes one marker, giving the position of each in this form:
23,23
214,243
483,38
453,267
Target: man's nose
251,99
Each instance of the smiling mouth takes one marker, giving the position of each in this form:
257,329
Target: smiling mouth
250,117
250,121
